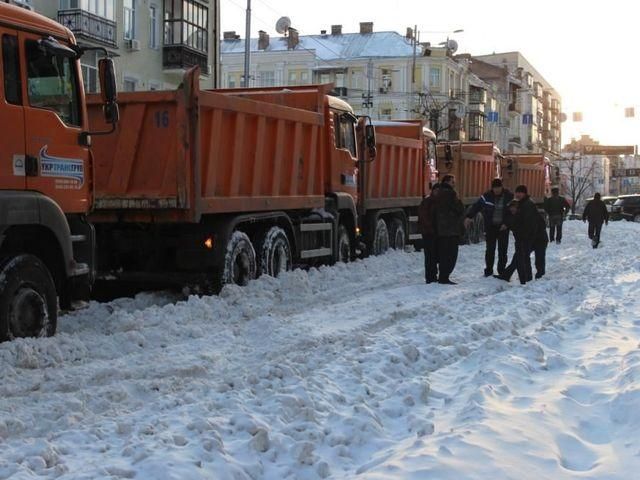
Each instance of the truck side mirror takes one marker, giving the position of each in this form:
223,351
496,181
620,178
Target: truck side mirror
370,135
107,80
108,90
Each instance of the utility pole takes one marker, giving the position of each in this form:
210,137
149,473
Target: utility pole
247,46
367,97
413,67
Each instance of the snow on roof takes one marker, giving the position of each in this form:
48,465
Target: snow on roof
336,47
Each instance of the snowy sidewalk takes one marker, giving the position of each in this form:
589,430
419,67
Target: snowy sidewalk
352,371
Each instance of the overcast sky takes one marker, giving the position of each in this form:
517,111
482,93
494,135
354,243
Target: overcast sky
587,50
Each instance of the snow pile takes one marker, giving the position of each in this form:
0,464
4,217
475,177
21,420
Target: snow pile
358,369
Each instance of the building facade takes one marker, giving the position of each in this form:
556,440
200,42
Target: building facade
534,120
381,74
153,42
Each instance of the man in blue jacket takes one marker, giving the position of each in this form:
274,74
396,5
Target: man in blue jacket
493,205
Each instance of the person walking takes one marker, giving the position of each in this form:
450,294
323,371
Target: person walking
596,214
493,205
556,207
525,224
449,216
427,224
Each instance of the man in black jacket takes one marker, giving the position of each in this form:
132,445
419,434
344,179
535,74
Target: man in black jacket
493,205
556,208
530,236
596,213
427,224
449,217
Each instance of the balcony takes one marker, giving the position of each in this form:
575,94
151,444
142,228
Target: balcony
86,25
182,57
515,107
515,141
477,107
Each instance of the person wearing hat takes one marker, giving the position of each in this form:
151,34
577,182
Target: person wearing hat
449,224
427,225
556,207
493,205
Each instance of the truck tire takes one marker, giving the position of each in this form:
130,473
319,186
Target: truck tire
275,253
398,235
28,299
344,245
380,238
240,264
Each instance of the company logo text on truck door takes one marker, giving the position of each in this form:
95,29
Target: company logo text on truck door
69,172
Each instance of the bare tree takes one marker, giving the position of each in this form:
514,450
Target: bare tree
431,109
580,174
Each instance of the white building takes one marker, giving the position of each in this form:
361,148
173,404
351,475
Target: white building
153,41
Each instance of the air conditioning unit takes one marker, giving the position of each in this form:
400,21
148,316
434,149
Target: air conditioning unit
133,45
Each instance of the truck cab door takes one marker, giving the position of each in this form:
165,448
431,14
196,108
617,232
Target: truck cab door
12,147
57,165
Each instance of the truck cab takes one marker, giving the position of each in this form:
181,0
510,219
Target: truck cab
45,174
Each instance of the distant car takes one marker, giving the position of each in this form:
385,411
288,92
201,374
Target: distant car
627,207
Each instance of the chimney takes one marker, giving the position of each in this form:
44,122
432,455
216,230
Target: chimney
263,40
323,32
366,27
293,38
409,33
229,35
336,29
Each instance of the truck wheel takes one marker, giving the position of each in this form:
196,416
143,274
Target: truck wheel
380,238
28,299
275,253
398,235
344,245
240,260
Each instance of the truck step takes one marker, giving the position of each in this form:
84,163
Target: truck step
78,238
319,252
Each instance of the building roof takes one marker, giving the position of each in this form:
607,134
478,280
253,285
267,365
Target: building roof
336,47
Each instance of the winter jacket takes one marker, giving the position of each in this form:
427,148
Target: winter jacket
487,205
526,222
426,216
556,206
449,213
596,212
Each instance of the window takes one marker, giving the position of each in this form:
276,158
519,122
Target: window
267,79
129,19
340,80
186,22
293,78
11,63
129,84
434,79
153,26
345,133
476,126
304,78
102,8
233,80
356,79
52,83
88,63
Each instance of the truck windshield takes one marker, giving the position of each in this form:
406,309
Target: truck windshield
52,83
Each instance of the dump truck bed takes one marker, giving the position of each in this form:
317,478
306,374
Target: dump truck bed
473,164
399,175
529,170
178,155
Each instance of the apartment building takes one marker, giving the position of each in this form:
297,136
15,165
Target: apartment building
382,74
153,42
534,120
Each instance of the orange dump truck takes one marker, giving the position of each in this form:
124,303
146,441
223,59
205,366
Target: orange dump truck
474,164
180,188
394,183
530,169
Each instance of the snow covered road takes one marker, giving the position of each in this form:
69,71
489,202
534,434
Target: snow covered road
352,371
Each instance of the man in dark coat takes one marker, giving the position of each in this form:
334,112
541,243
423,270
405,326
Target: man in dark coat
530,235
493,205
596,213
427,224
556,207
449,215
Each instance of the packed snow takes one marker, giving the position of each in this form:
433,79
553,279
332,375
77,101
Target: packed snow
352,371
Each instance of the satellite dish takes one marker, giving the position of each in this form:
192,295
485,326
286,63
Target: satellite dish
452,45
283,24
